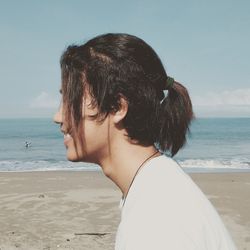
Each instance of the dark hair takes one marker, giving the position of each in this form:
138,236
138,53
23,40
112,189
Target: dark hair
112,66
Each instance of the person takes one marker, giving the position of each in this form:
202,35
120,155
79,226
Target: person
122,111
27,144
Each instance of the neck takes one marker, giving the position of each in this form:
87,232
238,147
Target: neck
121,164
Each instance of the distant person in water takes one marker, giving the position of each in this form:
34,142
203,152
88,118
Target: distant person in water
27,144
115,113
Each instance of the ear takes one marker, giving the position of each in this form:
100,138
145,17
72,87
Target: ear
120,113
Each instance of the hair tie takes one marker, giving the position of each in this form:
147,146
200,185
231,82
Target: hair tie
170,82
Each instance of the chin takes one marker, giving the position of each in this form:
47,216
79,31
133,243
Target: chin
81,157
72,156
73,159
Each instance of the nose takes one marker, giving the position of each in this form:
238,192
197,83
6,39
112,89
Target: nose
58,116
57,119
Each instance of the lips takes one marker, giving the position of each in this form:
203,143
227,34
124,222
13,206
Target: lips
67,138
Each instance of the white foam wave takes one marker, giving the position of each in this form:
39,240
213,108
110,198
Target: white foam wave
41,165
216,164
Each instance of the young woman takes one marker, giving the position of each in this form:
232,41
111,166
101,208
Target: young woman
115,113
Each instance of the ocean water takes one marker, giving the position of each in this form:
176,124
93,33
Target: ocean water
214,145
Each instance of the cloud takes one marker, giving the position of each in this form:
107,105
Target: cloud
44,101
230,103
237,97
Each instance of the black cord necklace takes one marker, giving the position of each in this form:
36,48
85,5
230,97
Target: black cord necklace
137,171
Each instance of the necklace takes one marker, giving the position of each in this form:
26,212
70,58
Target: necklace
137,171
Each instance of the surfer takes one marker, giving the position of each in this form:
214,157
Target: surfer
27,144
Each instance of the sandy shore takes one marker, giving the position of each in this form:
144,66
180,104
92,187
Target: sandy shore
79,210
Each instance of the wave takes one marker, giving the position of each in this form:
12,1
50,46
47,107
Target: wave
239,164
43,165
52,165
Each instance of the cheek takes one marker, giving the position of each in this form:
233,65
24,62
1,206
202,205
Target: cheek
95,143
96,137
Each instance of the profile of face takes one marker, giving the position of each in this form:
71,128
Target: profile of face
95,135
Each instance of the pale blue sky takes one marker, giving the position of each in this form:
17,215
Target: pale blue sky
203,44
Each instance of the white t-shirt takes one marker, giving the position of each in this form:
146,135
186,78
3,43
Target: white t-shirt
166,210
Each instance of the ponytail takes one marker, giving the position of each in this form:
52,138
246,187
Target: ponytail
176,114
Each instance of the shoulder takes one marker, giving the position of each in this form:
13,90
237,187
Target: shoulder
162,190
166,207
162,173
165,195
162,165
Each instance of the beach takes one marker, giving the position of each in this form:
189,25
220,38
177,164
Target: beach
80,209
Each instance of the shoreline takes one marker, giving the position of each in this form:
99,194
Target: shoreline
186,170
79,209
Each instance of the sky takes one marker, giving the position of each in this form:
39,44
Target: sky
202,44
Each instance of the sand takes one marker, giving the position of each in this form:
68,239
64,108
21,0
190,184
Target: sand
79,210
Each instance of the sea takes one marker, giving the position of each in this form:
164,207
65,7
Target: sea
213,145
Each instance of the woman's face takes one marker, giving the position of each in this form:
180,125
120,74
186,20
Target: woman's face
95,135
